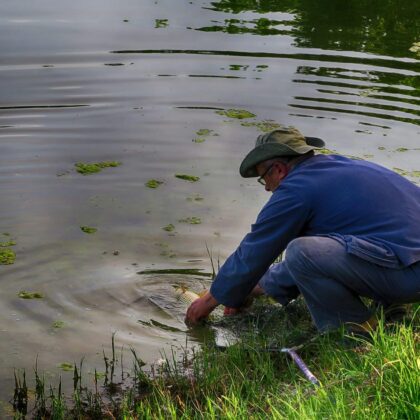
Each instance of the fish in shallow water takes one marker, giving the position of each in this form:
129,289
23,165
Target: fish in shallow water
186,296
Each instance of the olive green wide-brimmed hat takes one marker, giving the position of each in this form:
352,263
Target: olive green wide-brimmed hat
286,141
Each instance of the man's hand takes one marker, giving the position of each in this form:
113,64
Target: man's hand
200,309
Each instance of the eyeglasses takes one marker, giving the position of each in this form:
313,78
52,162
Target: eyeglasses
261,179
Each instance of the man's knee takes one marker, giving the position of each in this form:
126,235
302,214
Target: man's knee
311,253
300,249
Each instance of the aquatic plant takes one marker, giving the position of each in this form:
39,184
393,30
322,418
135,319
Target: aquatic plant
195,197
191,220
23,294
161,23
7,256
87,229
236,113
66,366
153,183
7,244
264,125
185,177
169,228
58,324
92,168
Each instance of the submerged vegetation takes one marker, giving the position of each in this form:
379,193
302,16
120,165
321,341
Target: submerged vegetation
169,228
253,378
23,294
186,177
7,256
191,220
92,168
153,183
88,229
239,114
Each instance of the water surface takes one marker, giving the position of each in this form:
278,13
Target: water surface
135,82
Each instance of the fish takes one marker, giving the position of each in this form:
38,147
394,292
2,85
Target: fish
186,296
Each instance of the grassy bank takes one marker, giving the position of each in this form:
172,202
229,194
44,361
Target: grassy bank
253,378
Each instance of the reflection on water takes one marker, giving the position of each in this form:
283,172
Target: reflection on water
135,83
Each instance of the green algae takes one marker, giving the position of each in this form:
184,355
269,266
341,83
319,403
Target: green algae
402,149
153,183
161,23
403,172
88,229
58,324
185,177
7,244
264,125
195,198
95,167
66,366
191,220
169,228
202,133
23,294
7,256
239,114
381,148
182,271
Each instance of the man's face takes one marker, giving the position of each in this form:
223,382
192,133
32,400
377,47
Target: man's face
271,174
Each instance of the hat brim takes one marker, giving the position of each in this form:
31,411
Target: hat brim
268,151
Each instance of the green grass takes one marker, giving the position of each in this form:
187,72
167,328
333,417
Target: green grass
253,379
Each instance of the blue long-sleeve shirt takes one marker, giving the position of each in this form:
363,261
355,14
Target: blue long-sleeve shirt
373,211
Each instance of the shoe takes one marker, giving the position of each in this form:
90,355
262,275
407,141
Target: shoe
363,330
396,312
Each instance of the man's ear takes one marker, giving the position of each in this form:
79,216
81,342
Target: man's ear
283,169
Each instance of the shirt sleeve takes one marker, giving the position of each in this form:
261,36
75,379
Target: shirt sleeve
281,220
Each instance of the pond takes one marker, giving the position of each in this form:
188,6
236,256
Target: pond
142,90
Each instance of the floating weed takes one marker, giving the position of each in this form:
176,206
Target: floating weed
7,256
264,125
153,183
161,23
169,228
7,244
87,229
381,148
239,114
195,197
403,172
23,294
191,220
401,149
202,133
92,168
58,324
66,366
185,177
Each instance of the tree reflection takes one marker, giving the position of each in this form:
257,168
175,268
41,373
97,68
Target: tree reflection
385,27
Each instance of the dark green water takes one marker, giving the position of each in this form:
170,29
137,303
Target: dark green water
139,82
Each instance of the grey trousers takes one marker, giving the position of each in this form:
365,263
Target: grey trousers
332,282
